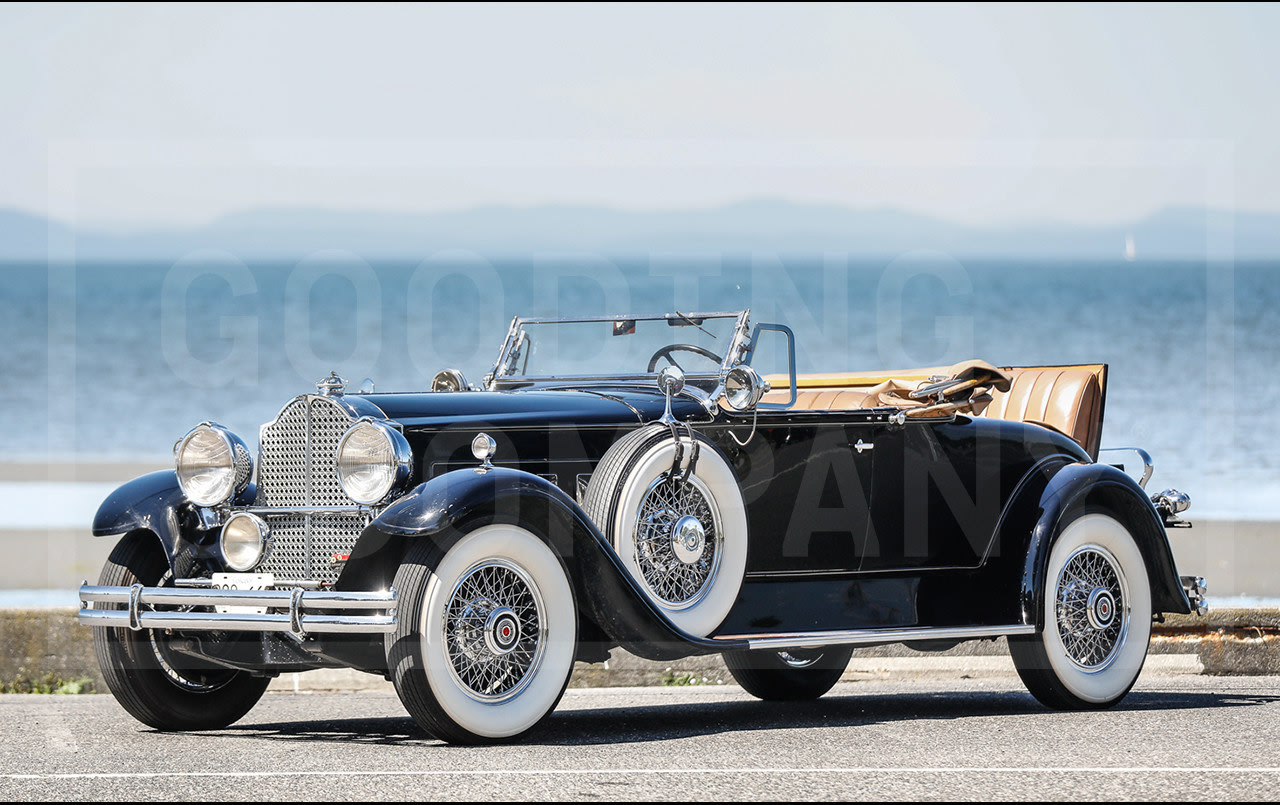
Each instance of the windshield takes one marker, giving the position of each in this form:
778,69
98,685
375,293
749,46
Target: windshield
539,349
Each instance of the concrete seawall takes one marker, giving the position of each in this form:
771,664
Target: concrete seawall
36,642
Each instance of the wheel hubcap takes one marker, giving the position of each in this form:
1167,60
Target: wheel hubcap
1092,608
501,631
688,538
1101,609
678,541
493,631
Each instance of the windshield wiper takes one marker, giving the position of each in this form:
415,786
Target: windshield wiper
695,324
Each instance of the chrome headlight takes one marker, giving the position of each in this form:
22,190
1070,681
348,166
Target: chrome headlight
373,458
449,380
244,541
213,464
743,388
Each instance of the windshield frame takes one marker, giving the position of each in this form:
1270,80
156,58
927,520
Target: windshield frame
734,352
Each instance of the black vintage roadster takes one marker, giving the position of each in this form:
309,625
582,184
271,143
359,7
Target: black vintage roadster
634,482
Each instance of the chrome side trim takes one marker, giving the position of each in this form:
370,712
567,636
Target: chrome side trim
855,637
293,619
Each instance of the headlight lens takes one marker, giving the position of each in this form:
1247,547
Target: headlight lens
743,388
244,541
449,380
212,464
373,458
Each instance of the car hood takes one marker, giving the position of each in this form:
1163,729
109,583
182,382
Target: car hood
531,407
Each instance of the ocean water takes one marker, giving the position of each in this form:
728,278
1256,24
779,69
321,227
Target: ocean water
119,360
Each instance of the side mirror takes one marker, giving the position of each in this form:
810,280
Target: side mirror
670,383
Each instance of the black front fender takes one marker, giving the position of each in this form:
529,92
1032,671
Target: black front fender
148,502
448,506
155,503
1076,488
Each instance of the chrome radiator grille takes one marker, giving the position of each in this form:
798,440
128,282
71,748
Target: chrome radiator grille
296,468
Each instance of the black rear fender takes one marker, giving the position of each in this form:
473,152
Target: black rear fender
1071,491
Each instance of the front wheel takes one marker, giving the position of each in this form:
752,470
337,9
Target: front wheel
1097,619
486,635
159,687
788,675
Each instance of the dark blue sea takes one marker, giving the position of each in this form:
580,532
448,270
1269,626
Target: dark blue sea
119,360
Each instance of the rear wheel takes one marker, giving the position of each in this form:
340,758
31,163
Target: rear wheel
788,675
486,635
1097,619
157,686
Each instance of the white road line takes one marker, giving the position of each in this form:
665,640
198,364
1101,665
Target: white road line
601,772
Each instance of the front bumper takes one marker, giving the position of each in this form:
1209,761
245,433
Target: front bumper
299,611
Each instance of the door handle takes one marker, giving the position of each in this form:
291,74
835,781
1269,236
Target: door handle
861,445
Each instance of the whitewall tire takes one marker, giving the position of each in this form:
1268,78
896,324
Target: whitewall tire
684,540
1097,618
486,635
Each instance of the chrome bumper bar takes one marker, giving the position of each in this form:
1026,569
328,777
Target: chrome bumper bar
1195,587
139,612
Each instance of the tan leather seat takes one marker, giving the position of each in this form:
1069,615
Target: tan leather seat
1066,399
819,399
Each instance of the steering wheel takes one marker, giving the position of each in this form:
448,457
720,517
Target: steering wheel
666,351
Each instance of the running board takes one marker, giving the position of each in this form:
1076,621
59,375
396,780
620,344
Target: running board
867,637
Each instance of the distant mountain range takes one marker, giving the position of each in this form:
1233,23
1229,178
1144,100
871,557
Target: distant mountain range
1175,233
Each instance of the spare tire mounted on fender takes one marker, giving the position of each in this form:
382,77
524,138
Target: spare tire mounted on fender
674,513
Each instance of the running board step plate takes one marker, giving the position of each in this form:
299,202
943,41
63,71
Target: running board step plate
867,637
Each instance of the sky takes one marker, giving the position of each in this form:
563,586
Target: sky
131,116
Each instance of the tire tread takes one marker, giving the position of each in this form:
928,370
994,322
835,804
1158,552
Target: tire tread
134,677
765,676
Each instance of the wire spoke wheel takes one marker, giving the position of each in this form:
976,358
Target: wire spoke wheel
677,546
1092,607
678,525
493,630
1096,605
486,634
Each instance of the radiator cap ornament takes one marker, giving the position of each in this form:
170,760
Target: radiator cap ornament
332,386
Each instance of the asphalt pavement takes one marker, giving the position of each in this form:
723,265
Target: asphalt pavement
1177,736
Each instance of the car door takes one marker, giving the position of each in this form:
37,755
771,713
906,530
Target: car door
936,499
808,490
